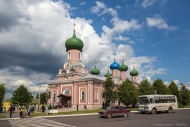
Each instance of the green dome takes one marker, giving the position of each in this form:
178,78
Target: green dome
74,43
95,71
107,74
134,72
123,67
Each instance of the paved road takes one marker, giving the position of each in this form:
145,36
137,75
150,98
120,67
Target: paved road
180,118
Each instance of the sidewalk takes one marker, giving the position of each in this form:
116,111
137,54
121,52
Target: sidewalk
16,115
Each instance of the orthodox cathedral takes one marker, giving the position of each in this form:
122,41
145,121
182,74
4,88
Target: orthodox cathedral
75,86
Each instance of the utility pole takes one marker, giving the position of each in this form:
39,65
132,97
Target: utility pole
47,99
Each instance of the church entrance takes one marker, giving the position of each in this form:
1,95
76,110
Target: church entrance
65,100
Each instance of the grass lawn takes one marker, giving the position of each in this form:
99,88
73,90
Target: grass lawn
188,106
3,116
74,112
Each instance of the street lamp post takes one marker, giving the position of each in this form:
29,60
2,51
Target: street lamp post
39,94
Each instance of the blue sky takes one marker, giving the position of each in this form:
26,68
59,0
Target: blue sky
152,34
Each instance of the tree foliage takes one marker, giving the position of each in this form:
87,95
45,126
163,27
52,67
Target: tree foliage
43,98
127,93
175,91
145,88
37,96
109,94
184,94
2,93
21,96
160,87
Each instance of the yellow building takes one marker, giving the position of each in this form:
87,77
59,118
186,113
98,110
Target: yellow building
6,105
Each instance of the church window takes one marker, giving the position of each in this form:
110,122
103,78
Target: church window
54,95
82,95
79,55
69,55
96,95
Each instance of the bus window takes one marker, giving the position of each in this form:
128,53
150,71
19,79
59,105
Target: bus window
143,100
151,101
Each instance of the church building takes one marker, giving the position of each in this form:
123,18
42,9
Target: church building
74,85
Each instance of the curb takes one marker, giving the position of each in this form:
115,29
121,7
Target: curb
36,117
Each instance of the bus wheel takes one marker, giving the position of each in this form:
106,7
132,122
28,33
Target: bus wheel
142,112
170,110
153,111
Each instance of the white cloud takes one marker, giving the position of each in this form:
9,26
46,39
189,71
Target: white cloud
43,28
159,23
118,7
147,3
83,3
102,7
120,38
185,58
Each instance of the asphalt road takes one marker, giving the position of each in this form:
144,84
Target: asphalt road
179,118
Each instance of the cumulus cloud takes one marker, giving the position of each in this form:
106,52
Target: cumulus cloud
159,23
32,47
83,3
120,38
147,3
118,7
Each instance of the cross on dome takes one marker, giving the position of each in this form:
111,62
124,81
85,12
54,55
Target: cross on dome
74,26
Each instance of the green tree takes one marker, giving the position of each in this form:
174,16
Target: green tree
2,93
175,91
43,98
21,96
37,96
109,94
184,94
127,93
160,87
145,87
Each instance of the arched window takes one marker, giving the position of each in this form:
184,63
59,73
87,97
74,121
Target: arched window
82,95
69,55
54,95
96,95
79,54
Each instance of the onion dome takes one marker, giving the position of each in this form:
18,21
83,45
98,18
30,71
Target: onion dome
123,67
74,43
134,72
95,71
114,65
107,74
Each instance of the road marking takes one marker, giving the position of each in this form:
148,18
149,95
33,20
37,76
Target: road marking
40,122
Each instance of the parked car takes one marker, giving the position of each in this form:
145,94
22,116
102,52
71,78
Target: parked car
114,111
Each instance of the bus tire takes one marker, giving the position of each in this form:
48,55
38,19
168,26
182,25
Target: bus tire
142,112
153,111
170,110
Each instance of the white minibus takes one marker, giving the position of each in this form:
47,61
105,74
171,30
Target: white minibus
157,103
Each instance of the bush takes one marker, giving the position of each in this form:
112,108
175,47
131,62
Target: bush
180,105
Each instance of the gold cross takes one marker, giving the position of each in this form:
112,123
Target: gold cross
74,26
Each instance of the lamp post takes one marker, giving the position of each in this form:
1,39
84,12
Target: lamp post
39,94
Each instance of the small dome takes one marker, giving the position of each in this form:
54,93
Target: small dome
107,74
123,67
74,43
114,65
95,71
134,72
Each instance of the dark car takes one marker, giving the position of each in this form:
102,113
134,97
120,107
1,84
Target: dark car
114,111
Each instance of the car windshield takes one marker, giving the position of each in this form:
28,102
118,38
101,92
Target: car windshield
110,108
144,100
